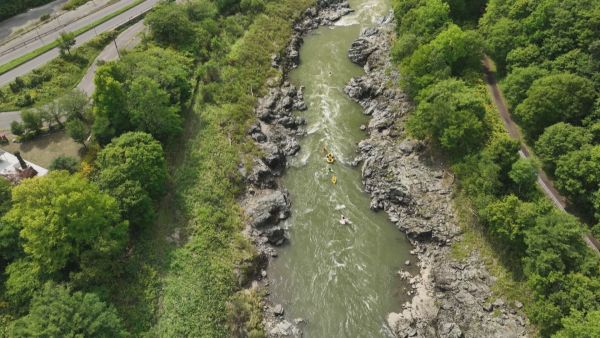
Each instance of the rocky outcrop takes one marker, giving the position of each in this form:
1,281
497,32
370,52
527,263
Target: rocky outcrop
276,132
451,298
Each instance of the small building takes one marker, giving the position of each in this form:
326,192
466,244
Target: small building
15,168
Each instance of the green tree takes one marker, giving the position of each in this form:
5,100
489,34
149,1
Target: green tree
425,21
523,57
518,81
227,6
524,175
134,156
110,102
198,10
453,52
578,325
56,311
167,67
555,98
554,245
52,113
32,121
252,6
558,140
503,152
466,10
150,110
509,218
170,25
62,217
578,174
17,128
78,131
5,189
64,162
76,105
451,113
501,38
66,41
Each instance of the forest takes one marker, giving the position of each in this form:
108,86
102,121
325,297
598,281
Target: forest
144,236
546,55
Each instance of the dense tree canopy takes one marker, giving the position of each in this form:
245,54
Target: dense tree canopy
170,25
56,311
143,92
549,51
555,98
57,232
453,52
451,113
578,325
518,81
578,174
133,169
558,140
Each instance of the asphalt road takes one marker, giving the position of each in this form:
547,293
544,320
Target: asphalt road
81,39
51,31
10,25
128,39
515,133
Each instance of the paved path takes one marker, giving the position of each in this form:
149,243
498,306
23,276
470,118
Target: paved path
128,39
515,133
81,39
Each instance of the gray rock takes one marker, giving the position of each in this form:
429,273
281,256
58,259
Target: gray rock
278,310
267,208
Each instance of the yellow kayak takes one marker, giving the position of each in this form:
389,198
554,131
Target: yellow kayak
329,158
334,179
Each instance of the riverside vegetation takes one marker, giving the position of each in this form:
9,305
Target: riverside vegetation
546,53
134,228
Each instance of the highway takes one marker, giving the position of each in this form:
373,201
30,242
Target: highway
81,39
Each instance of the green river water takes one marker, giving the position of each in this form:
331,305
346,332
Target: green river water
340,278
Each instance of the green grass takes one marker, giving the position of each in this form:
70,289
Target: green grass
72,4
508,284
201,282
191,285
64,75
33,54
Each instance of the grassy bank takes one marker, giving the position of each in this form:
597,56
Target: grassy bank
201,280
33,54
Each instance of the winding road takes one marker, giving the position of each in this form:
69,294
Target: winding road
515,133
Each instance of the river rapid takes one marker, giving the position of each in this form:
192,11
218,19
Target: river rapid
341,279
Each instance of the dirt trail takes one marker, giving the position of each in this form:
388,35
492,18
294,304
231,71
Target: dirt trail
515,133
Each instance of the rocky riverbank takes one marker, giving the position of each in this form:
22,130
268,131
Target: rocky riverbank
276,134
451,298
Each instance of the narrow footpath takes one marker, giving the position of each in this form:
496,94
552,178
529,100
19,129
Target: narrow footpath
515,133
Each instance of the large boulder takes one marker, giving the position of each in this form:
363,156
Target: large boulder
267,208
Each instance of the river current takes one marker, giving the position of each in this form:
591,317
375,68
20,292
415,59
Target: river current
342,279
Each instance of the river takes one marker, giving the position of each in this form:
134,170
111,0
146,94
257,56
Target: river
342,279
